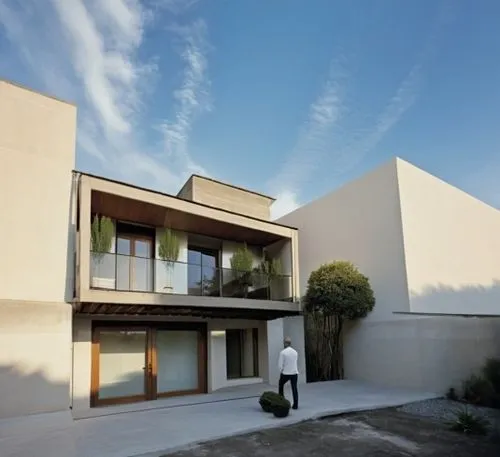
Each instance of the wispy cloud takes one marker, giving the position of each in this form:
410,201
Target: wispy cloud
312,143
192,98
89,52
331,135
359,143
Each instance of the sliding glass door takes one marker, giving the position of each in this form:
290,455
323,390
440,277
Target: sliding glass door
146,361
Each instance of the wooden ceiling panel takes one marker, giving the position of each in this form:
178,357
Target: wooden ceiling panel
129,210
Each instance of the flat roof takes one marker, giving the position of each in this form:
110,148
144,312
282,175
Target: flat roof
179,198
43,94
228,185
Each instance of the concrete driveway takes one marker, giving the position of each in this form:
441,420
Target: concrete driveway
175,426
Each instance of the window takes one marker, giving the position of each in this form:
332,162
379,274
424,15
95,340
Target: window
134,257
203,271
242,353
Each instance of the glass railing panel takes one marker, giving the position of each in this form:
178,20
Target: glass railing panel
102,271
129,273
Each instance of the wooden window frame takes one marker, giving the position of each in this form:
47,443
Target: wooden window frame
151,365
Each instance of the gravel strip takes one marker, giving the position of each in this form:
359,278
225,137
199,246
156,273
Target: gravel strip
445,410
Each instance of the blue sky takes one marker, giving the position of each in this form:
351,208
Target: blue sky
288,97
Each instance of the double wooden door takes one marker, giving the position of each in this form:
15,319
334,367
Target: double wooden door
137,362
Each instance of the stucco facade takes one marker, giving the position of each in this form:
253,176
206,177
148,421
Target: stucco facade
431,254
37,151
49,303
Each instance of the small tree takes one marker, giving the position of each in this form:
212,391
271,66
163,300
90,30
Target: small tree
336,292
168,251
242,267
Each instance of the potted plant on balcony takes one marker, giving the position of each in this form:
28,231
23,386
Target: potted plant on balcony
270,269
101,239
168,251
242,267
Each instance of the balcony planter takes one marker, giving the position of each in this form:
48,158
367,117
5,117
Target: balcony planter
242,268
168,251
101,240
271,270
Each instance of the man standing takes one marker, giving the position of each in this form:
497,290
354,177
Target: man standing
288,370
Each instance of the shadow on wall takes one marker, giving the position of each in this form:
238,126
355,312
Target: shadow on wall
70,283
30,393
470,299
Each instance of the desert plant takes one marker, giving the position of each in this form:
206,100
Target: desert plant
336,292
452,394
470,424
168,251
242,267
478,390
266,400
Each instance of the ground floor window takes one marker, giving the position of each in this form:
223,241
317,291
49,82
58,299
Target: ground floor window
242,353
147,361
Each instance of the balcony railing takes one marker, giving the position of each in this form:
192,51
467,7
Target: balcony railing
139,274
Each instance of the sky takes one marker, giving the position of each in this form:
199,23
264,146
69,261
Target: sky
290,98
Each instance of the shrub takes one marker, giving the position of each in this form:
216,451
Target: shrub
470,424
452,394
478,391
280,407
491,372
267,399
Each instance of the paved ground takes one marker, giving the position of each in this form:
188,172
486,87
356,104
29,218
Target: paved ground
382,433
157,431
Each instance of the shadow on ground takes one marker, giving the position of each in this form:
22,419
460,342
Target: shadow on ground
385,433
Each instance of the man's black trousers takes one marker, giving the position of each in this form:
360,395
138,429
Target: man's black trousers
284,378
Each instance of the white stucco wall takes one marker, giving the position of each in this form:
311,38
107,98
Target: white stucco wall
360,222
37,155
452,246
35,357
434,236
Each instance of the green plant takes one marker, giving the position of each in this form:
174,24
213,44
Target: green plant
266,400
168,251
270,269
452,394
491,372
242,267
280,406
101,238
101,234
336,292
468,423
478,390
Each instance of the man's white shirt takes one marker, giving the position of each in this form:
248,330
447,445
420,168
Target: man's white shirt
288,361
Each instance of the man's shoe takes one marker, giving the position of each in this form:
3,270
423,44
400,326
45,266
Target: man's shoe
295,407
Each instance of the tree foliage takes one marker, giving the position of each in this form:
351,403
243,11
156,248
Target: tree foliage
336,292
339,289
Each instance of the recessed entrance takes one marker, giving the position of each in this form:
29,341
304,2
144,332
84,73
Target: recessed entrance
144,361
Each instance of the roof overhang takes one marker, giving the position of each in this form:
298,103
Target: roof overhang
115,309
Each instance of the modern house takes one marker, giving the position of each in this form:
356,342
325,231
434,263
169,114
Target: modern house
432,254
86,323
